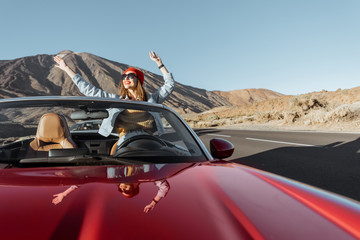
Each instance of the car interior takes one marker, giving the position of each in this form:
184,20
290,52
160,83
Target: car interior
51,141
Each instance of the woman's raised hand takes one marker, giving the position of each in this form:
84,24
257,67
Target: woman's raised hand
61,63
154,57
157,60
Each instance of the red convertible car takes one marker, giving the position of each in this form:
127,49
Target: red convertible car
150,178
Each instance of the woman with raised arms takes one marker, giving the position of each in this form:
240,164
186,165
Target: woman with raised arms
131,88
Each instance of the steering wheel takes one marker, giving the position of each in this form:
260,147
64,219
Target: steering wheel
139,143
146,138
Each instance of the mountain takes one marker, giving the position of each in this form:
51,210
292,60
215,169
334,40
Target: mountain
246,97
37,75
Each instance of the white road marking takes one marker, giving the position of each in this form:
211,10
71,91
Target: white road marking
285,130
289,143
218,135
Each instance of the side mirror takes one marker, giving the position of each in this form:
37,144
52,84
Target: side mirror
221,148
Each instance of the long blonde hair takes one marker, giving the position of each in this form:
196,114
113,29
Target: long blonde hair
139,90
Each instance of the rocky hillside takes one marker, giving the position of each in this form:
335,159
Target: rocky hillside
246,97
36,75
336,110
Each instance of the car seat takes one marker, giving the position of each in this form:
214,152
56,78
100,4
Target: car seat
113,148
52,133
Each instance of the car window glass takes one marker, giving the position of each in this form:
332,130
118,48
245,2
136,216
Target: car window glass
18,128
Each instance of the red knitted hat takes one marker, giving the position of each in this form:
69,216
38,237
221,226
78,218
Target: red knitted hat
138,73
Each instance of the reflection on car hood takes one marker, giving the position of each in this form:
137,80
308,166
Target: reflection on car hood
205,201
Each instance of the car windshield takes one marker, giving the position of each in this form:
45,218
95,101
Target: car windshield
68,131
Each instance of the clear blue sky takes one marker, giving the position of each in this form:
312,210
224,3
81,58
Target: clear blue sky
289,46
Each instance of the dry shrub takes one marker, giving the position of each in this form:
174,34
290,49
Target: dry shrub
315,117
344,113
307,103
291,117
211,117
265,117
340,114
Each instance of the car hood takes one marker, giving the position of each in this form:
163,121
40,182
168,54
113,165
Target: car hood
209,201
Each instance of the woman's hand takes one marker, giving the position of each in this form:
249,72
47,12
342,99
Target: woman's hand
58,198
154,57
61,63
149,207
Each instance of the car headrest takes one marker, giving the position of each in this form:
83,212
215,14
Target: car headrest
52,128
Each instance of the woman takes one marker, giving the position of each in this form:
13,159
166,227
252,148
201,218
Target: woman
131,88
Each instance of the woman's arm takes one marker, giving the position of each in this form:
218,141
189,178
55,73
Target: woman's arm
163,190
60,196
169,83
84,87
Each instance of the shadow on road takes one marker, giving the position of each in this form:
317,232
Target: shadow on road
334,167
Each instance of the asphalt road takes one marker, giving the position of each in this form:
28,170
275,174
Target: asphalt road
330,161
